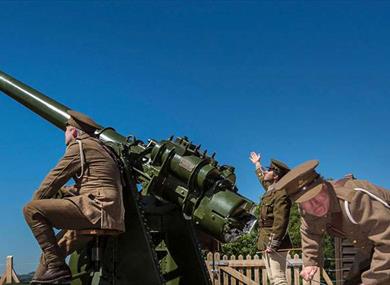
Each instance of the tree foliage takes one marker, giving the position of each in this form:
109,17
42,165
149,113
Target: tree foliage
245,245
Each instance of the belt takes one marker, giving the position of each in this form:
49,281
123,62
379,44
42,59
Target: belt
266,223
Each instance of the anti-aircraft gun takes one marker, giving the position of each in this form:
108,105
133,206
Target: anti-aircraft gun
182,188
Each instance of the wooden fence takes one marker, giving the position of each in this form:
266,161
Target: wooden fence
225,271
251,271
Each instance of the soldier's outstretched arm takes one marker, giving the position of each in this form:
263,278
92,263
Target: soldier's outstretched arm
312,231
256,160
65,169
260,176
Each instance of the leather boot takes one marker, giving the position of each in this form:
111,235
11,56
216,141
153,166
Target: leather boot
52,268
41,269
57,271
55,275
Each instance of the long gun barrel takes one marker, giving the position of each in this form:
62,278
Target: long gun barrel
44,106
47,108
174,170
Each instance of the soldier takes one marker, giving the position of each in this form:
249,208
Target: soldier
96,200
273,239
349,208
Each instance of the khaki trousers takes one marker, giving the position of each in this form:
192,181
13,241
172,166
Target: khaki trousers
275,264
44,215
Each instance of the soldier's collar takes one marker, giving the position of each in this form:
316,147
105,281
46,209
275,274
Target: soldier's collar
334,203
83,136
271,188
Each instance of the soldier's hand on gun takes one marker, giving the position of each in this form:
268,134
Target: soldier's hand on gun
255,157
308,272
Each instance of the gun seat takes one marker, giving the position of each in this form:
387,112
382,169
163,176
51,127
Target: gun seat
99,232
98,236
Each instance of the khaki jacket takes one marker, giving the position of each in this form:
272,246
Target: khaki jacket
357,216
98,192
273,219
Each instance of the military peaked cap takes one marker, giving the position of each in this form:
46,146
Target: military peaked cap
280,166
302,182
82,122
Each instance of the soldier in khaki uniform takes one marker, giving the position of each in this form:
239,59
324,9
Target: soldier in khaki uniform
349,208
94,202
273,239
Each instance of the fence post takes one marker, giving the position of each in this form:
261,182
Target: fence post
209,260
217,275
9,275
248,270
257,270
264,272
296,269
288,269
233,280
225,276
241,269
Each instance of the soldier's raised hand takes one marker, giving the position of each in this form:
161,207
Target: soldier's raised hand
255,157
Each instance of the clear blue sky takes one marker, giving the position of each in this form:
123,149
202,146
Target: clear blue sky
292,80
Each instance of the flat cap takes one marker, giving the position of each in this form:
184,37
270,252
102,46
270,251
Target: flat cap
302,182
82,122
280,166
